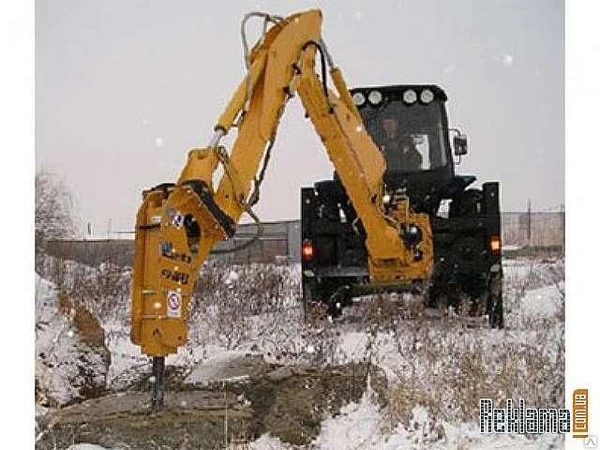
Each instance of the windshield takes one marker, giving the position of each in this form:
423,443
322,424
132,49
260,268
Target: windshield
411,137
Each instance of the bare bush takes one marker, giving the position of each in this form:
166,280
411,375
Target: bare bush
228,299
103,290
457,365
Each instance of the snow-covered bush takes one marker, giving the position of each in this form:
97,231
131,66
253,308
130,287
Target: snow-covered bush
71,359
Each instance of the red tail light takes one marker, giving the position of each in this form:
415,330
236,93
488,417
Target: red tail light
307,250
495,245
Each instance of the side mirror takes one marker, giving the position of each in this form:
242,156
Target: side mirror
460,145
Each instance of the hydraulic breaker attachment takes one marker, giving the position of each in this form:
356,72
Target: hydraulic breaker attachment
176,227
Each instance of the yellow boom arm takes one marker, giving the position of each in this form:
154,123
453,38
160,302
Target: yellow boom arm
178,225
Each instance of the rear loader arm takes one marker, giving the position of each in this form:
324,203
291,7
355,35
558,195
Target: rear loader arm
178,225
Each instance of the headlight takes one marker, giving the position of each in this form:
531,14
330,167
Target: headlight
375,97
412,235
358,98
427,96
409,96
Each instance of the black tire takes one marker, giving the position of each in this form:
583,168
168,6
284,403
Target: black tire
338,299
467,204
307,300
495,302
325,299
443,295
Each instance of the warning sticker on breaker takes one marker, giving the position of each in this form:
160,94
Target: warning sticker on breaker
174,304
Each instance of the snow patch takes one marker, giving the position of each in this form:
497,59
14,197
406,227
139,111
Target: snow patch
268,442
216,368
231,277
540,303
65,365
511,248
363,425
356,424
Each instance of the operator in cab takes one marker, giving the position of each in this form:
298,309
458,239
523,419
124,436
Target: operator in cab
398,147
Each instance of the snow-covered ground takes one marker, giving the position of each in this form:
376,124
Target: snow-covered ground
68,367
364,426
436,369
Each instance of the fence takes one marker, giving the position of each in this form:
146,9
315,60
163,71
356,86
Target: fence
94,252
281,241
534,229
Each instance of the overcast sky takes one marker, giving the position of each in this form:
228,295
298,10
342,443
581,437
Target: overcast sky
125,88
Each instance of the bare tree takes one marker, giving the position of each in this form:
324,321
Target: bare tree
53,209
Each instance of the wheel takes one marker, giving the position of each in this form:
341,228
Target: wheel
336,302
495,303
325,299
307,300
442,296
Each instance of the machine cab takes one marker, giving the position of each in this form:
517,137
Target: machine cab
410,126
